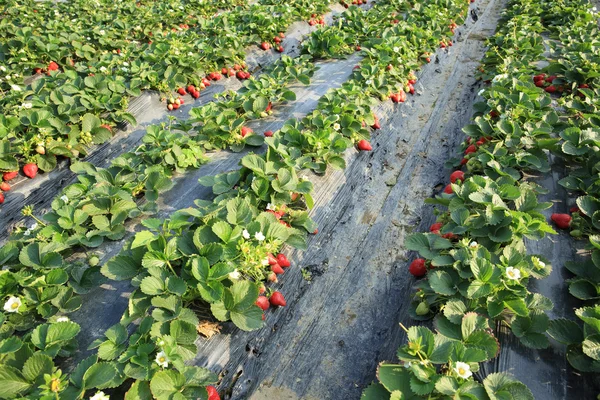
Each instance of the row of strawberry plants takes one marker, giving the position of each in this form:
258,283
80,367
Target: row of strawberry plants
474,257
95,65
233,232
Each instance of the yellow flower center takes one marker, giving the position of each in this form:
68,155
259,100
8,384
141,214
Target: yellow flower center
162,359
54,385
461,371
14,306
511,274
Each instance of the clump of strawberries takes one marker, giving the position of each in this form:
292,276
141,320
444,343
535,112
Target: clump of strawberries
547,83
562,221
275,299
315,19
399,97
174,103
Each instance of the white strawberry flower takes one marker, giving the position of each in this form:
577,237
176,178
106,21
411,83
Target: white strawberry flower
499,77
2,68
27,105
62,319
336,126
100,396
235,275
124,69
102,32
513,273
12,304
265,262
33,226
396,49
190,53
125,63
259,236
161,343
27,233
463,370
102,69
16,88
407,364
541,263
473,244
8,77
270,207
369,81
162,359
480,92
245,234
64,198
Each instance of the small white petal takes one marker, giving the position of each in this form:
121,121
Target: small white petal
259,236
245,234
100,396
235,275
463,370
162,359
62,319
16,88
513,273
473,244
64,198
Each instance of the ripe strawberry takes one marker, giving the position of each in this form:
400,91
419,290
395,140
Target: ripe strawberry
573,209
551,78
280,49
550,89
37,70
283,260
1,198
268,133
295,196
312,22
470,149
52,66
5,187
262,302
456,175
265,46
417,267
450,236
539,77
30,170
277,299
277,269
212,393
463,161
389,67
175,106
224,71
170,107
7,176
364,145
435,228
281,35
272,260
428,60
584,86
195,94
237,67
246,131
411,88
181,91
277,39
562,221
191,89
494,114
315,231
539,83
448,189
357,48
269,107
230,72
205,82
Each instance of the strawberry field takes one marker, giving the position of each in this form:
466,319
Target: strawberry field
377,199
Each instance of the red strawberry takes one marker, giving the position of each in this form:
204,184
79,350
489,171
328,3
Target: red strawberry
5,187
417,267
283,260
195,94
277,39
262,302
562,221
7,176
550,89
357,48
268,133
448,189
272,260
539,77
463,161
411,88
281,35
435,228
37,70
456,175
494,114
269,107
584,86
246,131
573,209
280,49
224,71
277,269
389,67
470,149
262,289
315,231
230,72
170,107
277,299
449,236
212,393
181,91
539,83
312,22
1,198
237,67
30,170
52,66
265,46
206,82
364,145
551,78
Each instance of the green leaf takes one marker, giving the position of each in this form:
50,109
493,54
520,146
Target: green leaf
395,377
121,268
13,382
166,383
142,238
140,390
375,391
36,366
442,283
500,386
99,375
591,346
